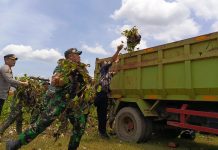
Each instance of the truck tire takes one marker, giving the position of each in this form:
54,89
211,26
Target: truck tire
131,126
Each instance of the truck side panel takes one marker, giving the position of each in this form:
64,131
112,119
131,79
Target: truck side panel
185,70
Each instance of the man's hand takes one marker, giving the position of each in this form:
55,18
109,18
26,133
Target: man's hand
117,52
24,83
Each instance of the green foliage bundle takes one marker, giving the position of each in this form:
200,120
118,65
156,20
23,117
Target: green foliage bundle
30,97
133,38
87,89
81,103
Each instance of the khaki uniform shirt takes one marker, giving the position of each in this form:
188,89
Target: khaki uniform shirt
6,81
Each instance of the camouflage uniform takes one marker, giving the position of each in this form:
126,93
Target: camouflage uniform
56,106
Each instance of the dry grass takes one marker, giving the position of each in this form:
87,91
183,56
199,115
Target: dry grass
93,142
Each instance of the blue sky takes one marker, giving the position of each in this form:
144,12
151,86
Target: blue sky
39,31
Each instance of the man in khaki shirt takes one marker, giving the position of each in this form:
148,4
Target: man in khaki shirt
6,78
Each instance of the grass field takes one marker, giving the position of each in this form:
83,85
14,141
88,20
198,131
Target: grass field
94,142
91,141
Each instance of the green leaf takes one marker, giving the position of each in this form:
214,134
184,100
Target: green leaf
99,88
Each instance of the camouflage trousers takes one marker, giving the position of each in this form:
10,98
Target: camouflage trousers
56,106
16,114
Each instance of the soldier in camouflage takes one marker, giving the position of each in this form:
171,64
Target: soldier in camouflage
69,85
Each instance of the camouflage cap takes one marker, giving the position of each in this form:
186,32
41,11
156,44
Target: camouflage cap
72,50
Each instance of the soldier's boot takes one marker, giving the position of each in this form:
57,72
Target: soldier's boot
13,145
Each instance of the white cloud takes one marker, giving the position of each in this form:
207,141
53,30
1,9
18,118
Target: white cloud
158,12
162,20
177,31
117,42
20,23
120,29
27,53
215,26
98,49
142,44
206,9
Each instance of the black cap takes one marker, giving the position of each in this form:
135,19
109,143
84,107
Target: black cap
72,50
11,56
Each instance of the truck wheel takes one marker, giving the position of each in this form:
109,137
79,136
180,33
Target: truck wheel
131,126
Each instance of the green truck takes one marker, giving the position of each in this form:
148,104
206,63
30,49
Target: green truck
166,89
